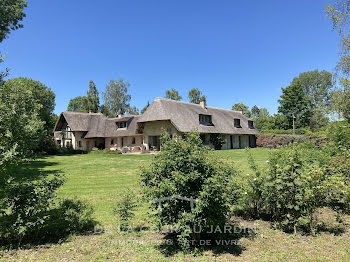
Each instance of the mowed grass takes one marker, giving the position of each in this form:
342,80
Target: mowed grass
100,179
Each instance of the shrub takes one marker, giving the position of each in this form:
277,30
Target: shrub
192,187
339,133
125,208
69,217
94,149
291,190
26,206
109,151
300,179
250,187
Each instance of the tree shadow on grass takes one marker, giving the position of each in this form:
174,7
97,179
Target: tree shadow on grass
225,243
53,224
32,170
69,217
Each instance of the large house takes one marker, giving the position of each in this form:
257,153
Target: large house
142,132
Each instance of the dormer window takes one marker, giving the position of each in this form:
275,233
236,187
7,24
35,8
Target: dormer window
251,124
237,122
205,120
121,124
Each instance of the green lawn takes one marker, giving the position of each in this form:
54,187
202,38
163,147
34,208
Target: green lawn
100,179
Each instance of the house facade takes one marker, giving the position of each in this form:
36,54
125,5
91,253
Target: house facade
136,133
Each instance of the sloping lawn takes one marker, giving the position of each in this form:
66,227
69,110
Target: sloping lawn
100,179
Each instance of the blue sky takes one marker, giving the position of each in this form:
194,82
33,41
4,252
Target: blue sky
234,50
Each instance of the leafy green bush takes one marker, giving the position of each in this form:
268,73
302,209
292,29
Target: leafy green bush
191,186
109,151
293,188
26,207
69,217
125,208
94,149
299,179
250,203
339,133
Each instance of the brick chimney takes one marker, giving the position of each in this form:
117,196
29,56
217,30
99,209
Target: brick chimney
203,103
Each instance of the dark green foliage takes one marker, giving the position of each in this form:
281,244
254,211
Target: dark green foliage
71,216
294,102
300,179
242,107
133,110
195,96
78,104
145,108
216,140
172,94
21,128
255,111
108,151
25,207
116,97
339,133
92,98
43,98
186,172
125,208
11,14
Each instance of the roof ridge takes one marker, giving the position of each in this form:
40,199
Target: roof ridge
213,107
83,113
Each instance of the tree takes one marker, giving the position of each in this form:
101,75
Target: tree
145,108
317,86
294,102
341,99
11,13
105,111
42,95
133,110
78,104
263,120
116,97
93,101
255,111
21,128
172,94
45,98
240,107
195,96
339,13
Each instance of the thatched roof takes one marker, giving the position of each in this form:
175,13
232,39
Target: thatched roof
96,124
185,117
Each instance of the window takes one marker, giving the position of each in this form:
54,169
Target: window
79,144
251,124
133,140
205,119
204,139
121,124
112,141
237,123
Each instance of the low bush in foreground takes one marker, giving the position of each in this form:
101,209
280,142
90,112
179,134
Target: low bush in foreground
31,213
190,188
299,180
